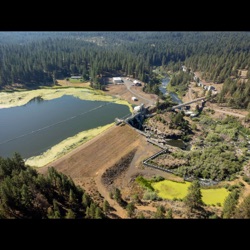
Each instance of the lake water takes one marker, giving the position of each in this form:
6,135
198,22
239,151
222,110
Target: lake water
40,124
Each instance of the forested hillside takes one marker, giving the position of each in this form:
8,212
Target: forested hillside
26,194
39,58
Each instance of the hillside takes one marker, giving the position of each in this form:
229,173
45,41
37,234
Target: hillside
36,59
26,194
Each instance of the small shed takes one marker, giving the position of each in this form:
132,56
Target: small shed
134,98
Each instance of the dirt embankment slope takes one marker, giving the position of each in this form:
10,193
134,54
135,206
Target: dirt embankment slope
88,162
99,153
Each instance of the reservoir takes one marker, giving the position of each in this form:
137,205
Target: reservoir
33,128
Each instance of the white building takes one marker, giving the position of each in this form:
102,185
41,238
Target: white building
117,80
134,98
137,108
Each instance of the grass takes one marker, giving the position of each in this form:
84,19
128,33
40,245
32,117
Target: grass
169,189
214,196
75,80
8,100
175,190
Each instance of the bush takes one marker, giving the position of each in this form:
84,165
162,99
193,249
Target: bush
150,195
158,178
241,184
246,179
213,216
144,183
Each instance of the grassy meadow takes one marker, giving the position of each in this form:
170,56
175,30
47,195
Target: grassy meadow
176,190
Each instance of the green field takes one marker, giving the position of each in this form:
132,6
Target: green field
169,190
214,196
75,80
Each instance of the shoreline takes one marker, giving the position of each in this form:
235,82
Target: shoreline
59,150
76,149
15,99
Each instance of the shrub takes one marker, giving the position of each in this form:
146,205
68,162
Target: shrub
144,183
246,179
158,178
150,195
241,184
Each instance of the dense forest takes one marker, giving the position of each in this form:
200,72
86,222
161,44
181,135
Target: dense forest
26,194
39,58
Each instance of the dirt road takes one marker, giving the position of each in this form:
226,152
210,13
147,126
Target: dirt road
230,113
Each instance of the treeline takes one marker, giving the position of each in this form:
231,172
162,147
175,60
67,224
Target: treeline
26,194
47,56
235,93
42,62
180,81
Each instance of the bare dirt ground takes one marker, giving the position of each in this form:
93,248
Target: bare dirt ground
65,83
126,91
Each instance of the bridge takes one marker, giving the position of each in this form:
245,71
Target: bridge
187,103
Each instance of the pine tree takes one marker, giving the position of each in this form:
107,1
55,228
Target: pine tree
230,204
56,210
98,213
193,199
70,214
243,211
106,206
130,209
169,214
160,212
117,195
86,200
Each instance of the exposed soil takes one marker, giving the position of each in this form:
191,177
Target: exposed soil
65,83
126,91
